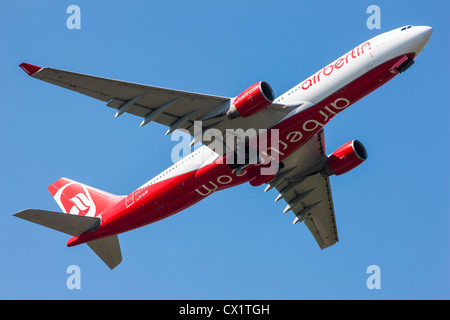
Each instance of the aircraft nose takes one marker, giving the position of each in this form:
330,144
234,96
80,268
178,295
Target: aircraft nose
427,32
421,38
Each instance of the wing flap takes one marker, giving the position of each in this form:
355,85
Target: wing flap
322,222
306,189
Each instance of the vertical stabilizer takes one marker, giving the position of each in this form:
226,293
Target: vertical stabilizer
79,199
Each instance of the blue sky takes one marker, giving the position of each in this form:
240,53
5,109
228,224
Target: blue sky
392,211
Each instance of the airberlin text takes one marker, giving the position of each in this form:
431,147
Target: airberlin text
228,309
328,70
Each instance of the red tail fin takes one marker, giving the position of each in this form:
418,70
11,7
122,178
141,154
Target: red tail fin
80,199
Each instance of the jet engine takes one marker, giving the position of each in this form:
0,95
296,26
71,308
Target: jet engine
346,158
251,101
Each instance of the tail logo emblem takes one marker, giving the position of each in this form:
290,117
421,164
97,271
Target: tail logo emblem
74,198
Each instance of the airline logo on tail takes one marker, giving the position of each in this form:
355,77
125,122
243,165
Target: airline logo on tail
75,200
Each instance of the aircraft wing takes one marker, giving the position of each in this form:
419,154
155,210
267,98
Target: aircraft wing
306,189
172,108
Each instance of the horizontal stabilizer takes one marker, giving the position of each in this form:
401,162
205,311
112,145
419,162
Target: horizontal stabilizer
67,223
108,249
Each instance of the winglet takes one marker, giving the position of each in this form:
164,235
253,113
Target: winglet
29,68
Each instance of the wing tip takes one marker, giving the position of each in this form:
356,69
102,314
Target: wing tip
29,68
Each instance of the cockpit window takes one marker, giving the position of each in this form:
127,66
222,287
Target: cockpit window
406,27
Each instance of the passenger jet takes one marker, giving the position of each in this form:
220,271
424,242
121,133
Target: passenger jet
289,135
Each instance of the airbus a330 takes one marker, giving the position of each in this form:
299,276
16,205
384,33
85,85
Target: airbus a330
289,127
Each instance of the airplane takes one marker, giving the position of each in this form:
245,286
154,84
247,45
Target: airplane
294,155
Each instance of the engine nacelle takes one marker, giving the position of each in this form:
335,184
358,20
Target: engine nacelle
346,158
251,101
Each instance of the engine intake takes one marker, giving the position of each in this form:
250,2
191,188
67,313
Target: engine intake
254,99
346,158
